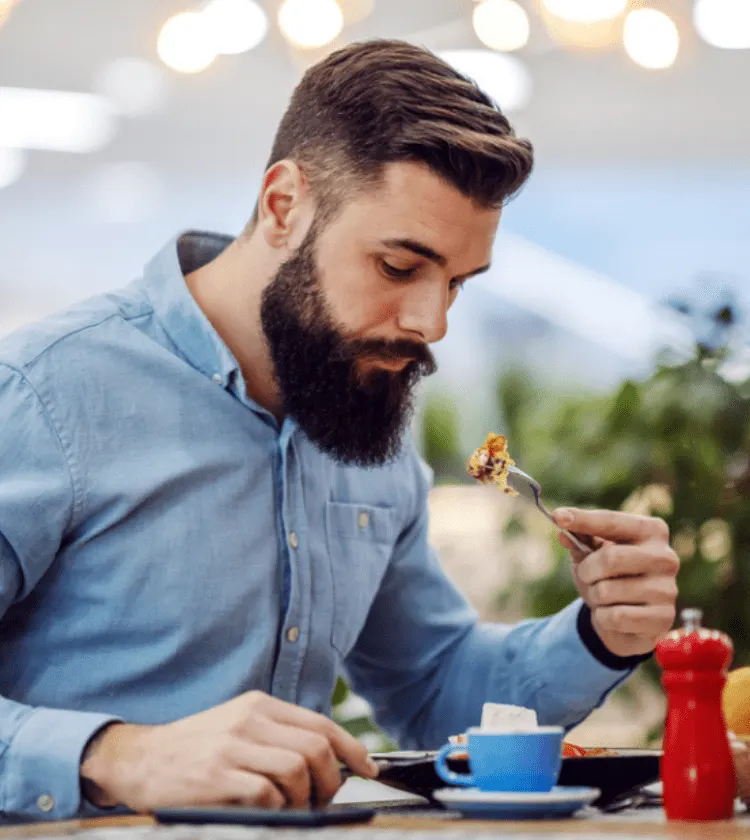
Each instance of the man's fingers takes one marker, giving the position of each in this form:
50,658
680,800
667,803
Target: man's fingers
638,590
575,552
612,561
315,749
253,790
287,769
613,525
650,622
345,746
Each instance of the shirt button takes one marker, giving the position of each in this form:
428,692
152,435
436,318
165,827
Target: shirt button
218,379
45,802
292,634
364,519
293,540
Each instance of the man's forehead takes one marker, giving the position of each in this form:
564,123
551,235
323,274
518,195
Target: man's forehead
413,203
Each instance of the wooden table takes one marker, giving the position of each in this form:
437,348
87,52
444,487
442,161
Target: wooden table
595,826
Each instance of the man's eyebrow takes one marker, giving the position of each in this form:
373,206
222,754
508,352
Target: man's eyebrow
423,250
477,271
417,248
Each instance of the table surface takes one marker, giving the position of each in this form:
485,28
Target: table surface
591,825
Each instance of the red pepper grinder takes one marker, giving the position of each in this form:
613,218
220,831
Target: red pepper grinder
697,769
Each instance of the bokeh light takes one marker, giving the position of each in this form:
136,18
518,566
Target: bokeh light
310,23
235,26
505,78
585,11
55,120
723,23
651,39
501,24
184,43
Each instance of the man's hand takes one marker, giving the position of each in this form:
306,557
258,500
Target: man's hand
629,581
254,750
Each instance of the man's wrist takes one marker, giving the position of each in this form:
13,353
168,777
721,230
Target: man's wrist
599,650
90,772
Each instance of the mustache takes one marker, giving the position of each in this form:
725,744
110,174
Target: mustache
398,350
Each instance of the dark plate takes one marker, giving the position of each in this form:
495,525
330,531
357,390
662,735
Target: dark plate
615,776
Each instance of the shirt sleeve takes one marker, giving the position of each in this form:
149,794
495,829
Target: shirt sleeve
40,748
427,665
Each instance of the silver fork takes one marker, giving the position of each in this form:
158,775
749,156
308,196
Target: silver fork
530,489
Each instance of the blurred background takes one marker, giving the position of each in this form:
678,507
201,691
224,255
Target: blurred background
609,341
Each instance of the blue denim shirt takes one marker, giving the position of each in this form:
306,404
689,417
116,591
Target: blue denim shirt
150,514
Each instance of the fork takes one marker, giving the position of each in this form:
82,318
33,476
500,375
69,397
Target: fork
531,490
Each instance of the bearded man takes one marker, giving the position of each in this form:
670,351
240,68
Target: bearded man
210,506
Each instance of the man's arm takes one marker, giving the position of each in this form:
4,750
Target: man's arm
40,748
427,665
254,750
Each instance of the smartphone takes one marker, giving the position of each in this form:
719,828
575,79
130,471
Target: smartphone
332,815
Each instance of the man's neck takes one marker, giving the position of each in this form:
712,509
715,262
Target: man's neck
229,291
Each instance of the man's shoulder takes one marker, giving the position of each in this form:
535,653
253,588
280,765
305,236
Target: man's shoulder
64,335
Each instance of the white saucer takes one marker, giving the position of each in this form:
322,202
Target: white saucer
512,805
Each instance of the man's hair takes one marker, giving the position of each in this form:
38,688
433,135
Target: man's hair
380,102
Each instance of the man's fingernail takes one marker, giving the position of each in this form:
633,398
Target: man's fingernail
564,517
374,769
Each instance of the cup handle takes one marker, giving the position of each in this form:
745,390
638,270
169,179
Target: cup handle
445,773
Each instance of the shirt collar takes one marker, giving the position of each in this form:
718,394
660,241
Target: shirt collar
182,318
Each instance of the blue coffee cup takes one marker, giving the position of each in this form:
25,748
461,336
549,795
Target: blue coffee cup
506,761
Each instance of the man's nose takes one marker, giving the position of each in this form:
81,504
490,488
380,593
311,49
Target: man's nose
424,313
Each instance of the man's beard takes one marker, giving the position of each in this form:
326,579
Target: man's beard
357,419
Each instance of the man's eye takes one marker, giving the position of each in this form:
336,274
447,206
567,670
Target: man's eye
396,273
457,284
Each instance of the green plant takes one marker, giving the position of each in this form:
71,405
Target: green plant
676,445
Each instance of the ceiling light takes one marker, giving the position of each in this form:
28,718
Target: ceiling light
5,8
55,120
501,24
723,23
651,39
12,164
135,87
235,26
505,78
184,44
585,11
310,23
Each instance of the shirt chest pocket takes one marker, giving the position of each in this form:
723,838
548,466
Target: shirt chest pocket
360,543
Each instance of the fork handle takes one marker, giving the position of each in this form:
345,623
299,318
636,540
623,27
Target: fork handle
583,542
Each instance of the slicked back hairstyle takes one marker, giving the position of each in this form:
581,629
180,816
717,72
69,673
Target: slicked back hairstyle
383,101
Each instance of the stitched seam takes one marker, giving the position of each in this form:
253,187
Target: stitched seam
99,323
77,494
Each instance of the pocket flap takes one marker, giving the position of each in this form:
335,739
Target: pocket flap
350,521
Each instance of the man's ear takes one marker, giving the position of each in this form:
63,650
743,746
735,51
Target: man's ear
283,205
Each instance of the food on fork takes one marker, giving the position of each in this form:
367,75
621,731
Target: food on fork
490,462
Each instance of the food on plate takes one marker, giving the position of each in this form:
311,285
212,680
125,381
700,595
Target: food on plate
574,751
489,463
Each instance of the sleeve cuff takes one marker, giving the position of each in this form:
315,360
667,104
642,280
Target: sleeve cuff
43,763
599,650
